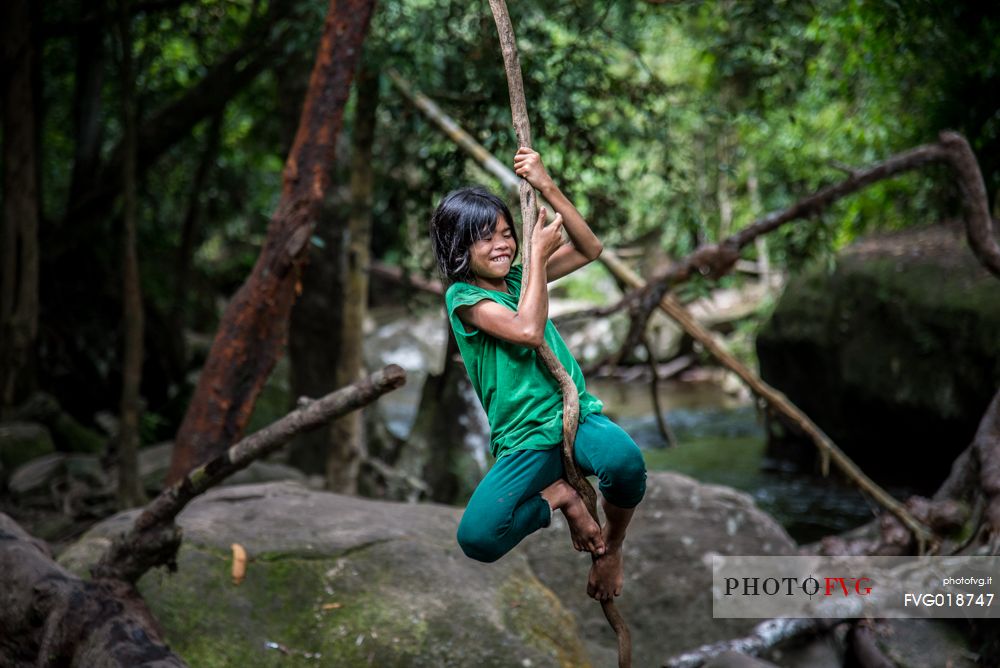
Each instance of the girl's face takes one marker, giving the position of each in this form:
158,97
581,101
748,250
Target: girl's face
490,258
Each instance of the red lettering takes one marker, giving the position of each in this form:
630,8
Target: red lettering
831,582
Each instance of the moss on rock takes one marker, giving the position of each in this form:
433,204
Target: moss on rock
350,583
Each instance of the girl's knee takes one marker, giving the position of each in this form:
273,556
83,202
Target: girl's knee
628,467
478,543
624,481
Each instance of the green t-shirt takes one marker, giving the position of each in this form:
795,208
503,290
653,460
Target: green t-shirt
521,399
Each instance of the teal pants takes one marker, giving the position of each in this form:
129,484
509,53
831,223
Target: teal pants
507,505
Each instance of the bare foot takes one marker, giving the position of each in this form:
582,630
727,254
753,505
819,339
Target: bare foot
584,531
607,575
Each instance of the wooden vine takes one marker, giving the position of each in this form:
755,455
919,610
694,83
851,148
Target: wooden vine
571,399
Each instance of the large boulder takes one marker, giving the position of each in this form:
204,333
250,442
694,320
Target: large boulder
894,353
345,581
667,600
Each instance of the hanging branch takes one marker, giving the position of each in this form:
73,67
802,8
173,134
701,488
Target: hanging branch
654,390
571,399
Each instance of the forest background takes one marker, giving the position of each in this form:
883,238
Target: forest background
146,177
669,124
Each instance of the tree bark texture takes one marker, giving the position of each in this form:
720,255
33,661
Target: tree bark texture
153,538
50,617
19,271
571,398
254,326
130,492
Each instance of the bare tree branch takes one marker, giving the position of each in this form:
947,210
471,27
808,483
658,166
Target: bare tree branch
153,538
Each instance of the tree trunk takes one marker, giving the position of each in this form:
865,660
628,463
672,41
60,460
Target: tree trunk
757,206
722,185
188,244
316,329
254,326
346,451
438,449
19,278
88,82
325,344
130,492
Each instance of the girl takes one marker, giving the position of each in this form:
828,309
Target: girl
475,245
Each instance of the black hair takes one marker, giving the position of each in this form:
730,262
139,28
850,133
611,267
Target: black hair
462,218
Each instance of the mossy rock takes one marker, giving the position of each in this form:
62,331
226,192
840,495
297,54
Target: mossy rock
894,352
341,581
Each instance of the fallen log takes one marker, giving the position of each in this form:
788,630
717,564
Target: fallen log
51,617
763,637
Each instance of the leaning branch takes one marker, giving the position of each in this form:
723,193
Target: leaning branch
153,538
778,402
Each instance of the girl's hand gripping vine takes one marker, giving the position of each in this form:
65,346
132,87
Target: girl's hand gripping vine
528,165
546,239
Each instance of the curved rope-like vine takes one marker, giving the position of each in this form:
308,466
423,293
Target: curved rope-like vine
570,395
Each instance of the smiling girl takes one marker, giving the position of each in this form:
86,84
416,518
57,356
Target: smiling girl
497,330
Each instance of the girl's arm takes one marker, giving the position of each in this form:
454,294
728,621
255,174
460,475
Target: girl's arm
526,325
584,246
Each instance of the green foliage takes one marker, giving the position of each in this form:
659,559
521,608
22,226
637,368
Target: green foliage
657,118
669,125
